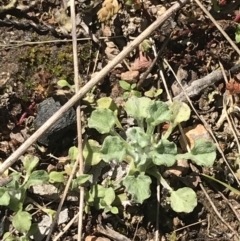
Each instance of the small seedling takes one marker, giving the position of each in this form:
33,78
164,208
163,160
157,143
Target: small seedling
129,89
13,195
145,46
63,83
237,34
153,92
216,6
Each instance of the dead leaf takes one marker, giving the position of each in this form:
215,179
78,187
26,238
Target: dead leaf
4,77
141,63
233,86
111,50
130,76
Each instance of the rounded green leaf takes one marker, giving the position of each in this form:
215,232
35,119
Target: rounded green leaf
184,200
125,85
29,163
22,221
203,153
9,237
158,113
107,103
36,178
137,107
4,197
73,153
109,196
164,153
83,179
137,137
56,177
80,180
63,83
114,210
138,187
103,120
91,153
113,148
181,112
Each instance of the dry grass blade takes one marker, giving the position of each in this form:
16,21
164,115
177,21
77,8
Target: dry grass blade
66,227
79,132
13,158
16,44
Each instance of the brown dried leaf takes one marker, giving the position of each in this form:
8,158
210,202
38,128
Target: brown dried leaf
233,86
111,50
130,76
141,63
4,77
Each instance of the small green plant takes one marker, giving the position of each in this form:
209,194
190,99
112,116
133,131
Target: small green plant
141,148
13,195
145,46
153,92
237,34
216,6
98,196
129,89
63,83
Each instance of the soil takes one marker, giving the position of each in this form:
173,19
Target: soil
36,52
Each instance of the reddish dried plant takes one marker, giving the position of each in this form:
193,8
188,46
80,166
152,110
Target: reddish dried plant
233,86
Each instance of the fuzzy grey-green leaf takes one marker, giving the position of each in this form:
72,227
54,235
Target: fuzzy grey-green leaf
137,137
164,153
103,120
183,200
138,187
203,153
181,112
158,112
113,148
137,107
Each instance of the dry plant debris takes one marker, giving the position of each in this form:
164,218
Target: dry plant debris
34,69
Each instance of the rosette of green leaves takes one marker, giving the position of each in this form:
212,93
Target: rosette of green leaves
143,150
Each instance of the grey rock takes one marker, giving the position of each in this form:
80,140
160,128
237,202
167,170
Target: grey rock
59,129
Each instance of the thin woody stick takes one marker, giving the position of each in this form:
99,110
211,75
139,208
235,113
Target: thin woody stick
33,138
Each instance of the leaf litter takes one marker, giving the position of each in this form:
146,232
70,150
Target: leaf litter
30,74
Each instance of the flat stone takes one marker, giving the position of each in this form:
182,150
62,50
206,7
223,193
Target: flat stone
59,129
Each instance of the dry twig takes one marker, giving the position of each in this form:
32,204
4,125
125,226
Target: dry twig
198,85
79,131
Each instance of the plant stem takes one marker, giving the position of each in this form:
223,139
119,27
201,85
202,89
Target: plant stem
159,177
